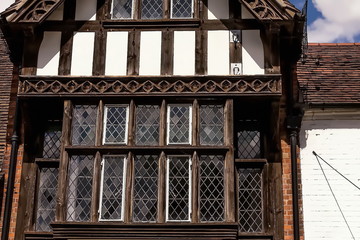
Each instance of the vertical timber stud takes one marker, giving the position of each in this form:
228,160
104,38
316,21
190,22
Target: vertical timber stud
133,52
161,186
195,188
162,131
131,124
99,53
31,49
229,162
195,124
234,9
167,52
128,196
64,160
65,52
166,9
96,188
201,52
99,124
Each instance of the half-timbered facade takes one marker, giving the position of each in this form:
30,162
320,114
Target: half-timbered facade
159,119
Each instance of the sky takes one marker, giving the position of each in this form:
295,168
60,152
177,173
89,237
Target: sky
329,21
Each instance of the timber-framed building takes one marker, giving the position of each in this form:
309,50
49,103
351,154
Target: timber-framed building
154,119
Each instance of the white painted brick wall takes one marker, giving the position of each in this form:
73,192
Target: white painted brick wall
338,142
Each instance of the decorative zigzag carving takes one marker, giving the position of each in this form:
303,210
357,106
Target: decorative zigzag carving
262,9
37,11
145,86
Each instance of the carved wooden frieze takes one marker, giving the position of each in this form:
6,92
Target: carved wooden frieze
266,85
262,9
38,10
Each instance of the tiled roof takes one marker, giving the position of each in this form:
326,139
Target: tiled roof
331,74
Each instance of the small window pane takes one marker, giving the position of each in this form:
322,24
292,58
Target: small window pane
46,202
145,188
52,140
147,125
211,124
116,119
212,188
249,140
250,200
79,190
152,9
179,124
121,9
178,188
112,191
182,8
83,125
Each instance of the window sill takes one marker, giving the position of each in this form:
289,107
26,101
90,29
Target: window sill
155,23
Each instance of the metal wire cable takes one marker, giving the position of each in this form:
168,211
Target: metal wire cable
332,192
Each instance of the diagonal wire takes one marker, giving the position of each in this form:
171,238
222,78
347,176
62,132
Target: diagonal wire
332,192
317,156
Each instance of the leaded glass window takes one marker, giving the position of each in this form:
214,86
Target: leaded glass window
112,188
182,8
152,9
179,124
84,124
121,9
249,140
211,124
212,202
147,124
46,199
178,206
116,124
145,188
79,190
52,140
250,211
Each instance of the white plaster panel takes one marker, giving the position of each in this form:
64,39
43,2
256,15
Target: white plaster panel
245,14
336,141
49,54
150,53
184,53
252,52
85,10
218,53
116,53
58,13
218,9
82,53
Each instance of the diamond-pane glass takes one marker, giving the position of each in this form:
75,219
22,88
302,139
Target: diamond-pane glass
80,188
211,124
116,124
112,188
182,9
249,144
152,9
212,188
121,9
179,124
147,124
178,204
52,141
250,200
145,188
83,125
46,200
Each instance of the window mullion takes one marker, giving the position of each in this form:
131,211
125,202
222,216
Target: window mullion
166,9
131,124
137,9
195,188
127,210
195,123
96,188
163,123
161,189
99,124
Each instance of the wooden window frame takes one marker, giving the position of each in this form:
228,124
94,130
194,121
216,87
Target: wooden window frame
126,137
190,124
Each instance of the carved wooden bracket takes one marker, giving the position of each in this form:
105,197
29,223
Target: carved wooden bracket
263,10
38,10
196,85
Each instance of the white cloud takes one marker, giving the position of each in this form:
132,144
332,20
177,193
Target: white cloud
340,21
4,4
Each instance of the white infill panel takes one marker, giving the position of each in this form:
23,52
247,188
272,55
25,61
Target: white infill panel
85,10
184,53
150,53
218,53
252,52
49,54
218,9
57,15
82,53
245,14
116,53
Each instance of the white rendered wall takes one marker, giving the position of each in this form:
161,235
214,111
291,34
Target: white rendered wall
218,9
252,52
184,53
218,53
150,53
116,53
85,10
57,15
49,54
338,142
82,53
